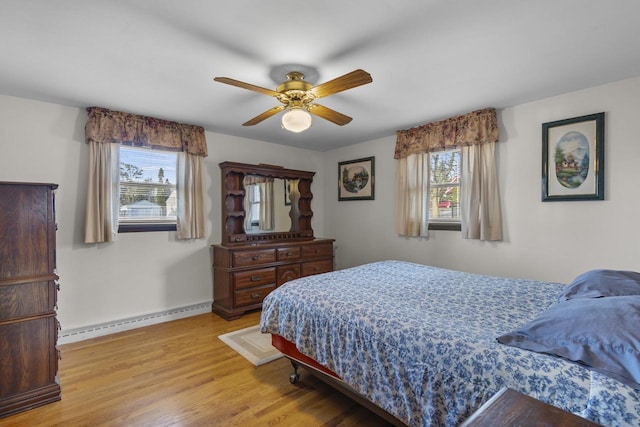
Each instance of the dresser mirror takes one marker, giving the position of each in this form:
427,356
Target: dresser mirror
265,203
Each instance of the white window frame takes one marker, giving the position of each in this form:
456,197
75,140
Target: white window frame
453,223
147,223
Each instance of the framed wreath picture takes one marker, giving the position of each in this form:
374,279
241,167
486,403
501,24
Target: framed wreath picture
356,179
573,159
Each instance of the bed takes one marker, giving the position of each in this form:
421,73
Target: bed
421,343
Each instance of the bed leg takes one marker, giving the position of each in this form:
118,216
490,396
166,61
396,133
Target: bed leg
293,378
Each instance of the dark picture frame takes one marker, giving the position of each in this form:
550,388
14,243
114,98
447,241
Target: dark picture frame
356,179
573,159
287,190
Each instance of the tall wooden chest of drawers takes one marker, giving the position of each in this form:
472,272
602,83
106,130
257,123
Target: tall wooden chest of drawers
244,274
28,292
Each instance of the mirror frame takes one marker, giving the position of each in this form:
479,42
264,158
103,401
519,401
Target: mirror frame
233,213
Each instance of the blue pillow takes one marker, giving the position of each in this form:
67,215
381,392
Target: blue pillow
602,333
602,283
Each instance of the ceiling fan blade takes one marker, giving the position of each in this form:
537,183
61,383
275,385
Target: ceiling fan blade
260,117
329,114
248,86
348,81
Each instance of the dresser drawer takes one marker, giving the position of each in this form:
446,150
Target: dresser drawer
315,251
289,254
253,278
254,257
27,299
317,267
252,296
287,272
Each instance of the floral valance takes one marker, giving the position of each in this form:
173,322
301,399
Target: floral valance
107,126
474,128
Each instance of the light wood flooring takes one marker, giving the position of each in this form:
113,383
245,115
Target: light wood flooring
180,374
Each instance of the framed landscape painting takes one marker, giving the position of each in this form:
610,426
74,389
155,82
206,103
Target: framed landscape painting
573,159
356,179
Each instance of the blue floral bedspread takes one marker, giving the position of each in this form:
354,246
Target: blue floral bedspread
420,342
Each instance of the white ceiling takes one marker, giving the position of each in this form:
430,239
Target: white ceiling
429,59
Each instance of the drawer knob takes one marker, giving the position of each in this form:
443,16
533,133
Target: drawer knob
256,257
290,254
256,295
256,278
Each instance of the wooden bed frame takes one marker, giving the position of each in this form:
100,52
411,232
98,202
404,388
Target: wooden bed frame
291,352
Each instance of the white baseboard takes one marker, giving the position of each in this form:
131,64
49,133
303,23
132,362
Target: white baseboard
79,334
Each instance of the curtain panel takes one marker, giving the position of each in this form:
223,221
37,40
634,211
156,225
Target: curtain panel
140,131
267,218
101,217
480,202
412,196
477,127
190,223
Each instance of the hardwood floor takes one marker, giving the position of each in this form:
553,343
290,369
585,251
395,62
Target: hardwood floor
180,374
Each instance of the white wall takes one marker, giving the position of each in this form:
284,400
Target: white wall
141,273
151,272
543,240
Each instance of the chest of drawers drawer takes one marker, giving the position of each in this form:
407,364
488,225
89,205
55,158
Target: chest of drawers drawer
27,299
315,251
317,267
287,272
252,296
288,254
253,257
253,278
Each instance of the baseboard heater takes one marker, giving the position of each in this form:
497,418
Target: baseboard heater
79,334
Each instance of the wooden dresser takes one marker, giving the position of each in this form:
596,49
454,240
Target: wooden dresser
244,274
509,408
28,292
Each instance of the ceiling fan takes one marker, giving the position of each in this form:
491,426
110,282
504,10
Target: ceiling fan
297,95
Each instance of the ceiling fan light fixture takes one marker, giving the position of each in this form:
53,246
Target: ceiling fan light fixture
296,120
297,95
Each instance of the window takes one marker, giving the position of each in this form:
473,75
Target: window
147,190
444,189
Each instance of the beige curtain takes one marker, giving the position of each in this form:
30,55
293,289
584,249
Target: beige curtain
412,196
101,220
249,200
475,134
266,206
480,204
191,189
105,130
